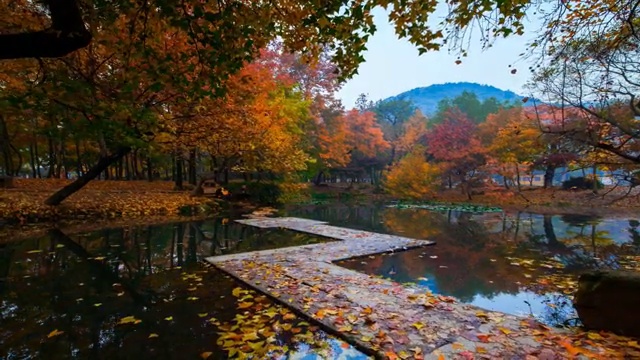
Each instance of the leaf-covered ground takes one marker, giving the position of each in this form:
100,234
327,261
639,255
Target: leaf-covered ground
395,321
24,204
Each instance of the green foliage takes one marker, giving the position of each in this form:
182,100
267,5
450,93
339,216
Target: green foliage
583,183
469,103
437,206
267,192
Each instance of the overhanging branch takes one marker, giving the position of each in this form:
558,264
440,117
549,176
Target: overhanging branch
66,34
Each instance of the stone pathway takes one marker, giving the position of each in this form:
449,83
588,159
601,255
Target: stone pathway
380,317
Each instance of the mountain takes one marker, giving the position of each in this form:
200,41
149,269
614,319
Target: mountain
427,98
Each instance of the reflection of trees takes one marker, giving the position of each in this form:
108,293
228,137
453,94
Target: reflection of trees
633,232
466,243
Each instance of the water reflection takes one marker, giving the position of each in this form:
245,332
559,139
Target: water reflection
519,263
63,296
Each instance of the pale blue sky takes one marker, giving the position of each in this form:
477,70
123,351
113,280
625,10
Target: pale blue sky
393,66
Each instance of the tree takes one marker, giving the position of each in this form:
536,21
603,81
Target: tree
592,72
469,104
512,139
391,115
455,145
413,177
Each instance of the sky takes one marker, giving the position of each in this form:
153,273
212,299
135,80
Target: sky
393,66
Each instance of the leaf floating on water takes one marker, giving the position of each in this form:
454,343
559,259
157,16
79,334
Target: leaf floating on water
169,318
99,258
434,256
245,305
423,279
55,332
97,304
58,246
129,320
153,335
120,293
34,251
236,292
203,315
206,354
192,298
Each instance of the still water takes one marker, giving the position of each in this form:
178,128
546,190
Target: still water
518,263
142,292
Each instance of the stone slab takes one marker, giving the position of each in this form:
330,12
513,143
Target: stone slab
378,316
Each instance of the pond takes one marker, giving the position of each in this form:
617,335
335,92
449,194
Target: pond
518,263
142,292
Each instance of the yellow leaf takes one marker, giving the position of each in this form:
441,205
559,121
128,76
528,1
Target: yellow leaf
127,320
169,318
418,325
203,315
97,304
153,335
206,354
55,332
505,331
245,305
192,298
34,251
594,336
457,346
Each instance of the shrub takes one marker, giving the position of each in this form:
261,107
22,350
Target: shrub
581,182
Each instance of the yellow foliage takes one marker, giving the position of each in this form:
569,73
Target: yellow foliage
413,177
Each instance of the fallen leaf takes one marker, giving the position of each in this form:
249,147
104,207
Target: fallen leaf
153,335
55,332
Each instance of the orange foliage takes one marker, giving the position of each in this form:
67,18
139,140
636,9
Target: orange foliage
413,177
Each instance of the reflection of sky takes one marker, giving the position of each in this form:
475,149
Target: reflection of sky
304,352
515,304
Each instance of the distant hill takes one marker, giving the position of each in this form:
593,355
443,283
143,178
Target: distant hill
427,98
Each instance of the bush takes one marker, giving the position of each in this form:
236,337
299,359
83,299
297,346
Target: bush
582,183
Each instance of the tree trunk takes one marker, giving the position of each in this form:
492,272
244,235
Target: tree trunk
35,150
518,183
548,176
19,164
80,182
179,168
6,150
149,169
32,160
52,156
78,158
192,167
595,178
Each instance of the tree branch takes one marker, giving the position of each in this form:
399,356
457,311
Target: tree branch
66,34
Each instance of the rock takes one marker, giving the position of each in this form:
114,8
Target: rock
609,300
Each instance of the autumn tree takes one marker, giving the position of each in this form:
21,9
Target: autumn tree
513,140
592,71
455,145
413,177
392,114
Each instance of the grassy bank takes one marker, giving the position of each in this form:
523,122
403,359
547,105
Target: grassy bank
557,201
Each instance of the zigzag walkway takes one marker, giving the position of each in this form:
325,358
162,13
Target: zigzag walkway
378,316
